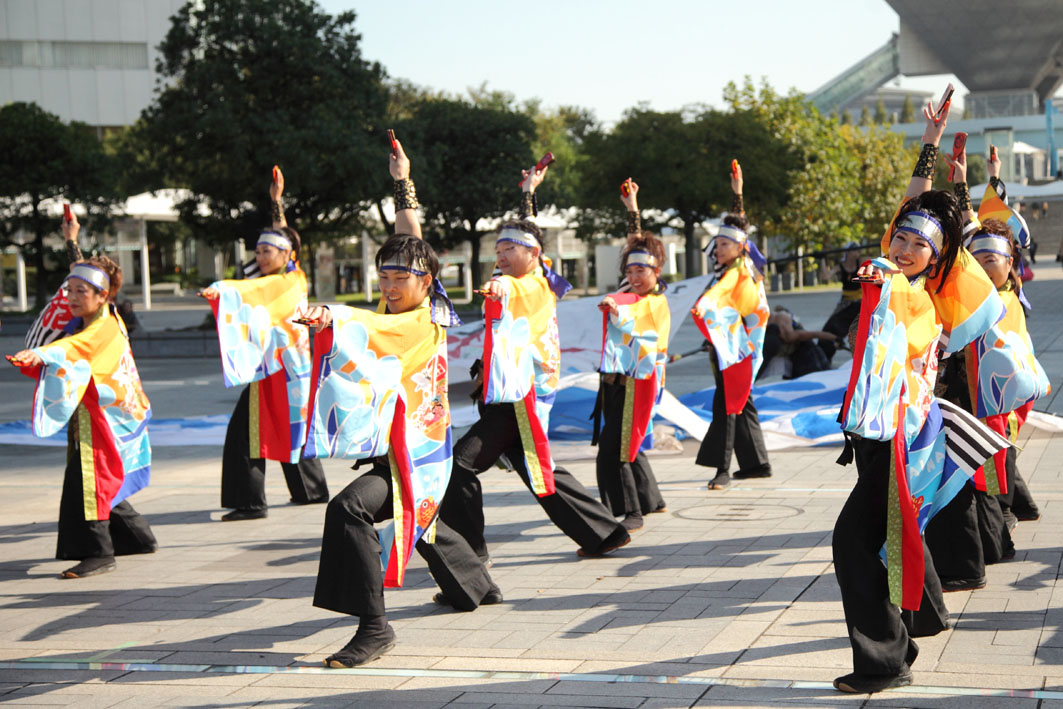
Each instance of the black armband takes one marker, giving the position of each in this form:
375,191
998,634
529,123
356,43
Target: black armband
405,195
73,251
994,181
737,207
963,196
529,206
928,157
276,211
634,224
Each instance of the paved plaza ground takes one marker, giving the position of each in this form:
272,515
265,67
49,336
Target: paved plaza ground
728,598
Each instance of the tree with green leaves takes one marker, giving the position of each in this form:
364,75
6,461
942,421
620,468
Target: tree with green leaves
561,131
682,161
882,165
247,84
881,117
43,159
844,182
468,160
908,110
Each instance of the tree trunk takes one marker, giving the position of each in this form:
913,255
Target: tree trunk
308,249
38,257
693,249
477,277
388,226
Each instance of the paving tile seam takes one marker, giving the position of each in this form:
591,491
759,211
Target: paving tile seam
604,678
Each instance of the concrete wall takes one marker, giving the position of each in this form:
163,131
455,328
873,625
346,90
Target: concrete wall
111,93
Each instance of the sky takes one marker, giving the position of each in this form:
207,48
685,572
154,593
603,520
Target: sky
609,56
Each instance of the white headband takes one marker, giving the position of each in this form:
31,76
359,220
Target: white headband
92,275
640,258
924,226
731,232
991,243
726,231
518,237
276,240
417,267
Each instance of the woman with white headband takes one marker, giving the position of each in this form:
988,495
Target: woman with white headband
262,347
1017,503
520,369
88,381
1001,265
733,315
996,378
380,396
925,286
634,352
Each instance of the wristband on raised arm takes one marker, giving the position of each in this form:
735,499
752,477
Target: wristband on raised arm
963,196
73,251
928,157
405,195
737,207
529,206
634,224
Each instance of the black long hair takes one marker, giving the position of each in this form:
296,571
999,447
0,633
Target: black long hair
942,206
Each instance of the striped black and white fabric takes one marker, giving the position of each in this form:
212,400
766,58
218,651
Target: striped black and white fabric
968,441
39,335
251,269
49,324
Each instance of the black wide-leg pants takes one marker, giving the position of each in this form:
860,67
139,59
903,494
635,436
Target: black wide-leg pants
243,478
739,433
625,488
968,534
349,577
880,637
1018,498
126,532
571,508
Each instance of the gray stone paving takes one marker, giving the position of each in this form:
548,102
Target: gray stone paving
727,599
730,593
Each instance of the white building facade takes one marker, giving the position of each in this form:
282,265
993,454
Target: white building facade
84,60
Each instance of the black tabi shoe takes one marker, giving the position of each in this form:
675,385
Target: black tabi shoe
632,523
245,514
854,683
722,481
492,598
761,471
614,541
1030,516
362,648
90,567
954,585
